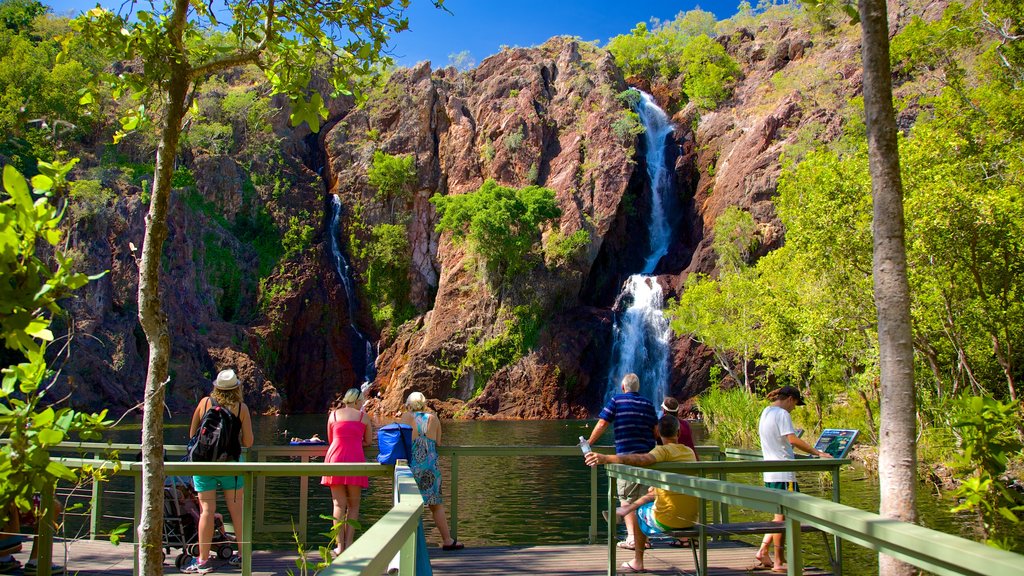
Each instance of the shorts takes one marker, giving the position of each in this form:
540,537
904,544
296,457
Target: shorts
207,483
787,486
648,524
628,490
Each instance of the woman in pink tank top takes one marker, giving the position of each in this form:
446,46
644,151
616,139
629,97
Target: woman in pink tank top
348,430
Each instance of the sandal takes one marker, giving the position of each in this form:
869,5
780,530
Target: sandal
455,545
627,567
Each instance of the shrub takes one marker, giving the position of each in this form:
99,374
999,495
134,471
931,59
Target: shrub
732,416
210,137
499,223
709,72
387,274
90,203
627,126
484,359
561,249
392,176
514,141
298,237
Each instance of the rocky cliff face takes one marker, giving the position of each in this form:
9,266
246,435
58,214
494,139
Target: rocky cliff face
545,116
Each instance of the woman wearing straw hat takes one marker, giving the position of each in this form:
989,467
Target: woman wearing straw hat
227,393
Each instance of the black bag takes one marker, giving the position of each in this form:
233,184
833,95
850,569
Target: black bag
218,438
394,443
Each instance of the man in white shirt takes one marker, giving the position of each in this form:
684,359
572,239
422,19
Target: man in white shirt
778,438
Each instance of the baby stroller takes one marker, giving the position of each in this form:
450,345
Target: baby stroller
181,524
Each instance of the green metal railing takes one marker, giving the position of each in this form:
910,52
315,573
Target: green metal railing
931,550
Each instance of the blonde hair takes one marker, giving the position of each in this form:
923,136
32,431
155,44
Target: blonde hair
227,398
631,382
352,395
416,402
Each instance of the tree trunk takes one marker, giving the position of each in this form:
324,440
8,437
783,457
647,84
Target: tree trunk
154,323
897,462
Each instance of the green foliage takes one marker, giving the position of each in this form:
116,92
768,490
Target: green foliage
655,53
560,249
483,359
17,15
708,72
298,237
393,177
627,127
499,224
210,137
90,203
223,274
387,275
29,295
736,235
182,178
514,141
261,234
989,437
731,416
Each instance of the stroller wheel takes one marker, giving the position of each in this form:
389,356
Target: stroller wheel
224,552
192,550
181,561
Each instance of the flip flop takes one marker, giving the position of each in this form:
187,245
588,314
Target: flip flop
626,545
628,568
455,545
782,570
684,543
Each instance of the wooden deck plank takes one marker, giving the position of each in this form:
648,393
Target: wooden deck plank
98,557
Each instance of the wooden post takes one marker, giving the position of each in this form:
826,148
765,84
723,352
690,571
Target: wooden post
703,539
407,557
95,511
44,550
592,536
612,517
245,546
303,502
836,540
455,496
794,551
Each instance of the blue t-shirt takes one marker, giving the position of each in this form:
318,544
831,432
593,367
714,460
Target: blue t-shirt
634,419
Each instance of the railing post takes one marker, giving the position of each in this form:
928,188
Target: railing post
95,512
44,550
259,489
702,537
136,570
612,517
245,546
455,495
592,536
303,502
836,540
794,552
407,557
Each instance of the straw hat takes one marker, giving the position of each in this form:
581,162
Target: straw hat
226,380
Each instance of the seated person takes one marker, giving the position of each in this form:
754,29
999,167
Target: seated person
658,511
10,540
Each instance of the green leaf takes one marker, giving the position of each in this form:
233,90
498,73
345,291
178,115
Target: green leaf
86,99
58,470
15,185
49,437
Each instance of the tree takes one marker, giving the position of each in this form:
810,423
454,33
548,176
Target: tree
897,449
499,223
29,294
288,40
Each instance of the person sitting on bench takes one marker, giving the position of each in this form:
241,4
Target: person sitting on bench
658,511
11,539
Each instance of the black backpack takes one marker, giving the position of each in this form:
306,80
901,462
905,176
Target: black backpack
218,438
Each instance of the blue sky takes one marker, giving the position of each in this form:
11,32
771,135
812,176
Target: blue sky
483,26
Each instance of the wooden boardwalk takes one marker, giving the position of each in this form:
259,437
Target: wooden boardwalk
99,557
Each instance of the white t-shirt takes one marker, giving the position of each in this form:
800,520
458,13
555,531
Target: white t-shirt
775,425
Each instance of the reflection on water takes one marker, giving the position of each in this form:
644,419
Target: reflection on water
523,500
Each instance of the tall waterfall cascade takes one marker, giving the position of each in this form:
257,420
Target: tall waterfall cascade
642,332
344,271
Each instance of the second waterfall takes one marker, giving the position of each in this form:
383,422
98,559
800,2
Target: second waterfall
641,331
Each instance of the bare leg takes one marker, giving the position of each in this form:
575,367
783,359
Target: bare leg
340,497
207,509
442,523
763,556
234,500
638,549
630,526
352,513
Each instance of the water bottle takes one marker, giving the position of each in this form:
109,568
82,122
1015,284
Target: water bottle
584,445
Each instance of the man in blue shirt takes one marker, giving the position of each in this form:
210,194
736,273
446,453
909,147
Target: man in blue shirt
635,420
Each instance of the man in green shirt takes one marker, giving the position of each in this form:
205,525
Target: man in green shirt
658,511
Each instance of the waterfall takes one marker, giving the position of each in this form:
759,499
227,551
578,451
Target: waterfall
642,333
341,266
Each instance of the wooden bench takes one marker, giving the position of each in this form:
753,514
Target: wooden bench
744,529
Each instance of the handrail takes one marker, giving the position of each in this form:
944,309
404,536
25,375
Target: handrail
371,553
928,549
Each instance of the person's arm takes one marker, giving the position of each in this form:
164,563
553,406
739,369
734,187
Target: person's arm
642,459
330,429
368,433
196,417
247,437
599,429
436,423
798,443
630,508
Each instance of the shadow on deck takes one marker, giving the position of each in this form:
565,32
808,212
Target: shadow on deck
99,557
